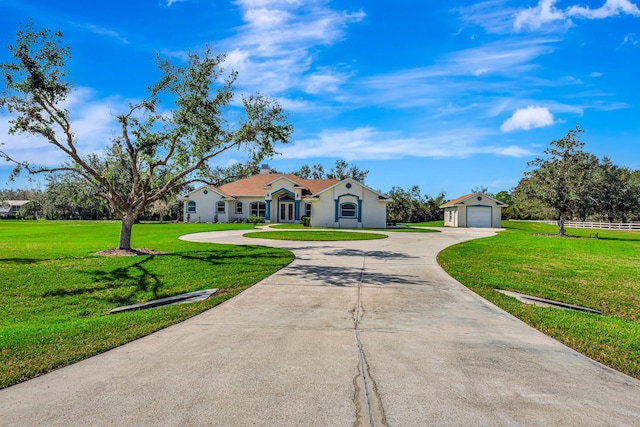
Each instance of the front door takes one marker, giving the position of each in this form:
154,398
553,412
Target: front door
286,212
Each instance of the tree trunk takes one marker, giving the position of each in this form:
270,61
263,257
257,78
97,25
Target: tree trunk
561,230
125,232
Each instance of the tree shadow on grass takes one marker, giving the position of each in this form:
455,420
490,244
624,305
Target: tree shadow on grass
138,280
121,284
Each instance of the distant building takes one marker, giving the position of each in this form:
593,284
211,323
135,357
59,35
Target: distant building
473,210
11,207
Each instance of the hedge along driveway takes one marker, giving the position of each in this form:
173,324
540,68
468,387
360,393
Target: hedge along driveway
55,293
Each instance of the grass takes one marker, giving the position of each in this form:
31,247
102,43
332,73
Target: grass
319,235
407,230
426,224
400,229
597,273
289,226
55,293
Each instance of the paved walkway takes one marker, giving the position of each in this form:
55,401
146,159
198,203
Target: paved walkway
367,333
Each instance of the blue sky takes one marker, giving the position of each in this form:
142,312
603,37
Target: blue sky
445,95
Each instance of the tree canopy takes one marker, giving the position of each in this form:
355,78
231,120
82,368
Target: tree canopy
562,179
341,170
166,140
577,185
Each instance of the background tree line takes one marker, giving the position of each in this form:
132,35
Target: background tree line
68,196
569,183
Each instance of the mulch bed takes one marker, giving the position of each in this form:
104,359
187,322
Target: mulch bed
129,252
557,235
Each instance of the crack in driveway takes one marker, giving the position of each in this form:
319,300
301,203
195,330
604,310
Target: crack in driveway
369,407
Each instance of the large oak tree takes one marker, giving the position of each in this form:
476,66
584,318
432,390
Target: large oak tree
164,142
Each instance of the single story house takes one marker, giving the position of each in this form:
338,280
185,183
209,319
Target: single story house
11,207
286,198
473,210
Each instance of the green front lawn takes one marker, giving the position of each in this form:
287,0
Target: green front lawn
399,229
426,224
602,274
55,293
315,235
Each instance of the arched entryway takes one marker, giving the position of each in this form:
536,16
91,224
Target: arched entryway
286,208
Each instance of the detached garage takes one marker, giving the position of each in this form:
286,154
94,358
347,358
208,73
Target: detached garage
473,210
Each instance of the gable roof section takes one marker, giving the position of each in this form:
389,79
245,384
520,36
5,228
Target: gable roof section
460,201
381,196
208,187
254,185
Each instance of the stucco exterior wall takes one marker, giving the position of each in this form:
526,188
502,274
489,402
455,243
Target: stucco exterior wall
458,217
374,211
451,217
462,216
347,204
370,212
496,219
278,188
205,206
246,208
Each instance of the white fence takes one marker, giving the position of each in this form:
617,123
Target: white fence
595,225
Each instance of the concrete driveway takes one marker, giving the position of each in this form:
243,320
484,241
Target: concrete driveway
365,333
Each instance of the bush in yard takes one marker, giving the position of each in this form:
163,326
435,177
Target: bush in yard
306,221
254,219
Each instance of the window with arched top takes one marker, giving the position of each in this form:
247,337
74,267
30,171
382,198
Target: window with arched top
348,210
191,206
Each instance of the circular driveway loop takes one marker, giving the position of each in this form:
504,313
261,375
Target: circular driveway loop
367,333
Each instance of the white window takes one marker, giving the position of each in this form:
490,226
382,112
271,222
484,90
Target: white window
259,209
348,210
239,207
220,207
191,206
450,216
307,209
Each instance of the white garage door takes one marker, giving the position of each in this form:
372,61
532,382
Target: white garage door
479,216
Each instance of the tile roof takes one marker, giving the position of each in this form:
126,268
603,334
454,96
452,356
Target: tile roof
456,201
254,185
460,200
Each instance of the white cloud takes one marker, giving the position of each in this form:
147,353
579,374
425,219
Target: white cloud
546,12
528,118
630,39
104,32
267,18
324,80
93,122
505,62
495,16
274,50
368,143
610,8
170,2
